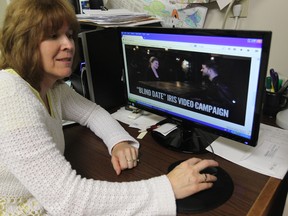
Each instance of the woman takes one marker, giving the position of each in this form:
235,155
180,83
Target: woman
152,73
37,51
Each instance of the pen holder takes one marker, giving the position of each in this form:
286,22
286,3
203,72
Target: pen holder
273,103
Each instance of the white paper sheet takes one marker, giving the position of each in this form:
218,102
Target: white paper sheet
223,3
269,157
143,122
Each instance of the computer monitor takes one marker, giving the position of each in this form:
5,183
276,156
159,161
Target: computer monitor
208,82
208,79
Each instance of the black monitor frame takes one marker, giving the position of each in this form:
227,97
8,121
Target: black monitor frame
264,36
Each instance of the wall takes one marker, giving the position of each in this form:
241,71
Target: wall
262,15
3,5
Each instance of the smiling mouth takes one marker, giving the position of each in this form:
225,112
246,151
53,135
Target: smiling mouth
65,59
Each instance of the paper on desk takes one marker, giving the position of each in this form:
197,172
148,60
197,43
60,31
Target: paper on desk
110,12
116,17
143,122
166,128
269,157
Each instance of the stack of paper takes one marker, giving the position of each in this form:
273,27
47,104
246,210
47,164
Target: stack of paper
116,17
143,122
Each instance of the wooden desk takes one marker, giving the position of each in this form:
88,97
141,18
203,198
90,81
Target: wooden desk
253,192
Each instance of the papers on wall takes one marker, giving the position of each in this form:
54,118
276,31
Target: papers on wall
188,1
192,17
223,3
269,157
179,14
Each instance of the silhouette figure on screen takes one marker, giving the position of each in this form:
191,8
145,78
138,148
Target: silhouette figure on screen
217,90
185,72
152,73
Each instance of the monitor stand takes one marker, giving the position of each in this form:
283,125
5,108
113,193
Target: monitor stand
209,199
184,138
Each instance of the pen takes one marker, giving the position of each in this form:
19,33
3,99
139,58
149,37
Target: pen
274,79
152,127
284,87
280,83
268,83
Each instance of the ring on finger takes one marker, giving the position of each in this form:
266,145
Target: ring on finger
134,160
205,177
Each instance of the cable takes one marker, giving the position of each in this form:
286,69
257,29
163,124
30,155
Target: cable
236,22
236,12
227,13
213,153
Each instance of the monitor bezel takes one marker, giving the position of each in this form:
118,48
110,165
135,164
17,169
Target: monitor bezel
266,38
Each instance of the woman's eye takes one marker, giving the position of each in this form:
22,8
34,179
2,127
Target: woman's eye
70,35
53,36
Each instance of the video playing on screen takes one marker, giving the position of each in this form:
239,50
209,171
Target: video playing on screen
211,78
182,83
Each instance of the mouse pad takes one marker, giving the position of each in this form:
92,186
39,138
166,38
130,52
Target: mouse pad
208,199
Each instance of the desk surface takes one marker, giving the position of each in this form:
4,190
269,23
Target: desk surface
253,192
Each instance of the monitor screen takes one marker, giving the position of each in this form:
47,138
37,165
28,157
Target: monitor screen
208,79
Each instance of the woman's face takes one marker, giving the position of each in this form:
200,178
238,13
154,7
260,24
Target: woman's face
155,64
57,52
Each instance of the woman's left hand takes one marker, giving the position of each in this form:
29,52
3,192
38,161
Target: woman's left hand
124,156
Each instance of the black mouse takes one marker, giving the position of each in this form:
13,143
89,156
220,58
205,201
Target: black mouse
210,170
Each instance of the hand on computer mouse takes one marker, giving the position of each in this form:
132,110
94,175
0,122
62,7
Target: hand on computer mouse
210,170
186,178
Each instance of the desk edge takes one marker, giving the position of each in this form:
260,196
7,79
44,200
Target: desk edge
263,202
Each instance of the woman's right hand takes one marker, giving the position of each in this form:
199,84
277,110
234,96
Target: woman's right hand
186,178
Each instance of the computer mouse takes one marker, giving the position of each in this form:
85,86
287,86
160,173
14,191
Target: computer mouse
210,170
